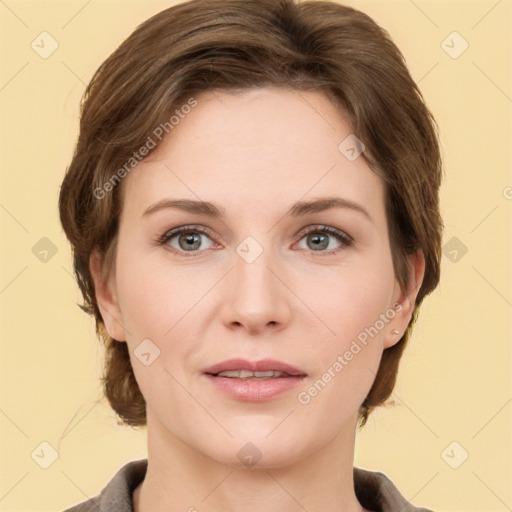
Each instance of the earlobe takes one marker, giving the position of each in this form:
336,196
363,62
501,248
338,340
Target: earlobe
106,297
404,304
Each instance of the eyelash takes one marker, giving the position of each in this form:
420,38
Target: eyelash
344,239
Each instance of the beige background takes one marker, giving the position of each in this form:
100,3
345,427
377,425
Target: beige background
455,381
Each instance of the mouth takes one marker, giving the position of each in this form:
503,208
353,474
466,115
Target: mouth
254,381
248,375
262,369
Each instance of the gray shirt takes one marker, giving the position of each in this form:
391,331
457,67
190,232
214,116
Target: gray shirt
374,490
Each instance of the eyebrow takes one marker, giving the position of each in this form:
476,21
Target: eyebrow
299,209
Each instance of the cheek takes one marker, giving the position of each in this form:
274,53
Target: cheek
161,303
348,299
155,297
345,363
156,303
354,309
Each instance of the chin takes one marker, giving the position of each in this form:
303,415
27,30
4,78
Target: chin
253,456
256,449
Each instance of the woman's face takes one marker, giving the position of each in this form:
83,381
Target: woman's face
262,280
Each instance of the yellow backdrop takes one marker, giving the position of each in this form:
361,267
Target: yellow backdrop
447,442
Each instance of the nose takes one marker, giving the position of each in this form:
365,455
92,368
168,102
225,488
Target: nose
256,298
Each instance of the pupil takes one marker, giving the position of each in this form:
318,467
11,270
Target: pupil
190,238
316,238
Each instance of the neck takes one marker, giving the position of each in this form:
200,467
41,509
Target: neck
179,478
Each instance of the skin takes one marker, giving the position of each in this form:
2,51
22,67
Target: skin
255,154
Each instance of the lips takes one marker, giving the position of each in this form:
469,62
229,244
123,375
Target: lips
254,381
247,374
242,368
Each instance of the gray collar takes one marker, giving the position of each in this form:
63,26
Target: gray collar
374,490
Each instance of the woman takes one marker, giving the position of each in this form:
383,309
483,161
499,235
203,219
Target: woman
254,215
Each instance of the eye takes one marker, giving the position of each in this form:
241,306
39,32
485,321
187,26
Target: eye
318,239
188,240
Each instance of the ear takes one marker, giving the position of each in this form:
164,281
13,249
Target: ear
405,299
106,297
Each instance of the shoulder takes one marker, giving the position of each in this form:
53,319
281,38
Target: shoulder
117,494
376,492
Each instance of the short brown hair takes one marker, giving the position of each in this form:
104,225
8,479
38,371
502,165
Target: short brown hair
202,45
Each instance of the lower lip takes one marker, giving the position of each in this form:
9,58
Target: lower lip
252,390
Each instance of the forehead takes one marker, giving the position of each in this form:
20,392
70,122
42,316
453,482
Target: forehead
261,147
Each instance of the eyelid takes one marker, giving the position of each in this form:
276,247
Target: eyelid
330,230
183,229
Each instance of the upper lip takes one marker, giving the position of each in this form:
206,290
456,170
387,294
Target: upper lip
263,365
